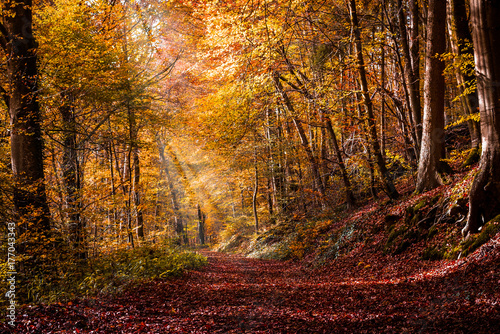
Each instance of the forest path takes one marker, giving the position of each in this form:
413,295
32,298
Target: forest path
233,294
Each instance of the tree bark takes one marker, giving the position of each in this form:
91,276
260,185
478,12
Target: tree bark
370,118
432,150
113,189
350,199
412,79
254,198
277,180
178,220
461,39
484,197
303,138
71,176
27,146
139,218
201,225
382,107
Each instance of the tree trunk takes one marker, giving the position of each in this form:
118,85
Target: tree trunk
277,181
369,158
484,197
127,177
432,150
201,225
382,103
461,39
370,118
27,147
139,218
303,138
412,79
351,201
113,189
254,198
71,176
178,220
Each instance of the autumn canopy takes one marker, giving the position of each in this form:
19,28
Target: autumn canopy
132,127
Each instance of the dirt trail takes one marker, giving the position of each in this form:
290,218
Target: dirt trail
239,295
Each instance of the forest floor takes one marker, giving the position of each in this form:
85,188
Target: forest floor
234,294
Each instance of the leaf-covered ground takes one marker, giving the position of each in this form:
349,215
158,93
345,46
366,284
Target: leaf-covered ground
240,295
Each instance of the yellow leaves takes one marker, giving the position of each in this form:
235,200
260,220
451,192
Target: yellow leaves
71,48
465,118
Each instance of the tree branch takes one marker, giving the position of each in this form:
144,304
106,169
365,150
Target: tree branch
5,96
4,37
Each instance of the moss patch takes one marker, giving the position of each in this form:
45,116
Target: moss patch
472,158
475,241
433,253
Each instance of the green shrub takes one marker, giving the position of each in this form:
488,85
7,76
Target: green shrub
242,225
111,273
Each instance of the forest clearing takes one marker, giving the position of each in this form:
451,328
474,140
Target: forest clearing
260,166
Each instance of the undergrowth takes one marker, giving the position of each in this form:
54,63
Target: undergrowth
107,274
421,226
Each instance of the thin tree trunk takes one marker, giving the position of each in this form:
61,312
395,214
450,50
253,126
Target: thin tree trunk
58,185
412,79
201,225
275,162
178,219
303,138
350,199
71,176
461,39
139,218
370,118
128,173
382,108
369,156
254,198
113,190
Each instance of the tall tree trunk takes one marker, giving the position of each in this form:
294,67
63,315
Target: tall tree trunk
382,106
71,176
113,189
370,118
127,173
127,189
277,182
139,218
254,197
369,157
134,169
201,225
325,171
484,197
303,138
27,146
178,220
432,150
136,183
412,79
461,39
351,201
